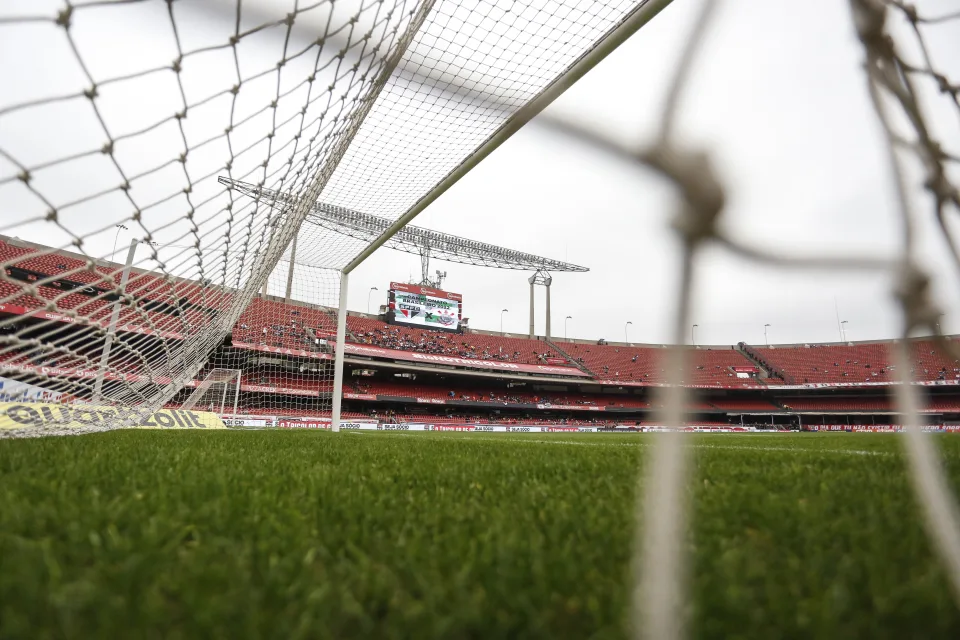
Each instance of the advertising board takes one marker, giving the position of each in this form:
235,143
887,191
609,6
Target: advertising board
249,422
303,423
26,415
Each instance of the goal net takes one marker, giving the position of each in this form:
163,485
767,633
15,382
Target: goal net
162,166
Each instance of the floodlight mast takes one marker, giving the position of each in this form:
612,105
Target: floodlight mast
543,278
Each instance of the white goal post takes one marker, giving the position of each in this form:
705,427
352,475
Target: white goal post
215,391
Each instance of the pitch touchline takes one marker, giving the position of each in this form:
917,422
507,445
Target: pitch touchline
473,438
854,452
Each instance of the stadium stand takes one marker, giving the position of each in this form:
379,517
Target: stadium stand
709,367
946,405
838,404
472,345
744,404
282,384
276,324
869,362
476,392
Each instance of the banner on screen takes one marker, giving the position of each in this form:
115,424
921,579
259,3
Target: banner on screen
418,306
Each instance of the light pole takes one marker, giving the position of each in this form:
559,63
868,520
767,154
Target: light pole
370,293
765,338
501,320
693,334
117,237
843,331
625,337
565,327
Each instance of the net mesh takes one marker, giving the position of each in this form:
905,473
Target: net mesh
129,269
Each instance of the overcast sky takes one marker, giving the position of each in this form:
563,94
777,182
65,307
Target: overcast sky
777,97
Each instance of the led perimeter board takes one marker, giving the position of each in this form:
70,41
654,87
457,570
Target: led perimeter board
414,305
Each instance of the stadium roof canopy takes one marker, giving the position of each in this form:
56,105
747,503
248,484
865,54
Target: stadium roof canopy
410,239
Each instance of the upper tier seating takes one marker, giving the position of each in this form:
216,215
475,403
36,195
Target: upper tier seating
821,364
710,367
144,286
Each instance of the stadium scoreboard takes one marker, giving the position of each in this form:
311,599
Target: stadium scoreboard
415,305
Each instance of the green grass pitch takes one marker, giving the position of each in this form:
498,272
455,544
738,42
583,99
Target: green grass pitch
311,535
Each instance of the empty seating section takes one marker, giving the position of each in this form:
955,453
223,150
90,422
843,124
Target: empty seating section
50,264
433,418
868,404
61,266
290,412
404,390
709,367
930,363
837,404
145,286
944,404
290,381
822,364
9,253
35,358
743,404
609,362
471,393
715,367
831,364
471,345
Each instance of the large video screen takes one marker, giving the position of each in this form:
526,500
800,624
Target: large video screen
418,306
